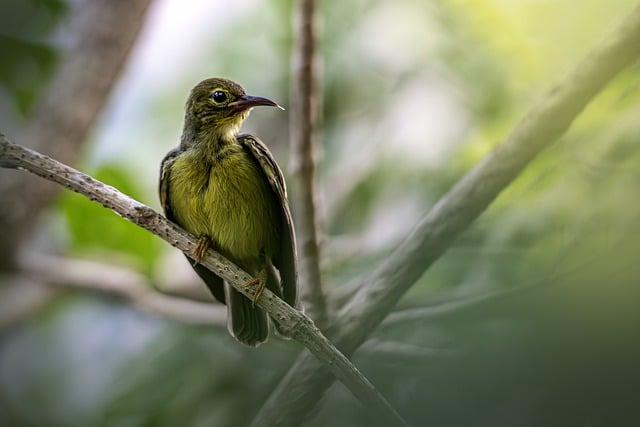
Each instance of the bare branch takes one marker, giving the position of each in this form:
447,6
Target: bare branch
293,322
303,130
122,283
453,306
399,353
69,107
302,387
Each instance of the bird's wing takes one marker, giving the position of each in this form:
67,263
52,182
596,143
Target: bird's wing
285,259
212,280
163,187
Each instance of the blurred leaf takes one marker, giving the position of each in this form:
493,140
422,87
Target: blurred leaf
25,70
96,229
28,56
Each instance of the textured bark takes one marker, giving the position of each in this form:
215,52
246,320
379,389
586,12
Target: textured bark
293,323
302,387
303,130
103,33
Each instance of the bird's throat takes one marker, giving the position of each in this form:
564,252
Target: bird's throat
212,138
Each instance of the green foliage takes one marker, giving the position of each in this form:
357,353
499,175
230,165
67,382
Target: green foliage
97,230
192,398
561,243
28,57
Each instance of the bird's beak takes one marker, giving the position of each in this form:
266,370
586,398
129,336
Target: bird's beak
247,101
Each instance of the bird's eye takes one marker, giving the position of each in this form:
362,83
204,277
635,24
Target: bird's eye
219,96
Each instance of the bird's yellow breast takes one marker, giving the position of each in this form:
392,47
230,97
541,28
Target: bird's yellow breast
227,199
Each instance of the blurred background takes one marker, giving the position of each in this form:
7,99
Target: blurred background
540,316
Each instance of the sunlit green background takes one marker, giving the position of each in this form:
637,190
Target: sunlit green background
415,93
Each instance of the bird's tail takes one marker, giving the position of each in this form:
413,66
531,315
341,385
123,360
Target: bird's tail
246,322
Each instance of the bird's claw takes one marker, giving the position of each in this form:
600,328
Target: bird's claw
204,243
260,282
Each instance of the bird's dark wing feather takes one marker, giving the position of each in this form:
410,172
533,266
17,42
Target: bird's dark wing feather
285,259
163,187
213,281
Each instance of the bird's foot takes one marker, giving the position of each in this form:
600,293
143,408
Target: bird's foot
204,243
259,282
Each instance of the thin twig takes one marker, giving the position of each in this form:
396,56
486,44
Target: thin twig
303,130
399,353
82,83
303,385
292,322
453,306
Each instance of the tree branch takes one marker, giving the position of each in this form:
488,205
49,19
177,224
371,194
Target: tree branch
122,283
293,322
302,387
303,130
44,275
69,107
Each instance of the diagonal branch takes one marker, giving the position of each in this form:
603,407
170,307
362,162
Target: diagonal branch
302,387
303,130
293,322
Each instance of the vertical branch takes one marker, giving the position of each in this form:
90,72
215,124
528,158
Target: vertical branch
103,33
303,131
302,387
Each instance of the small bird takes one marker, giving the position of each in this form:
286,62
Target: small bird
226,189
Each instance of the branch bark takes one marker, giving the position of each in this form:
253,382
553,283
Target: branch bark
293,322
302,387
303,131
69,107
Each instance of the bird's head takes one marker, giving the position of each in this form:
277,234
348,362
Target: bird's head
221,106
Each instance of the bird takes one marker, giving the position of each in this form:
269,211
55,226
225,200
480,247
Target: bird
226,189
